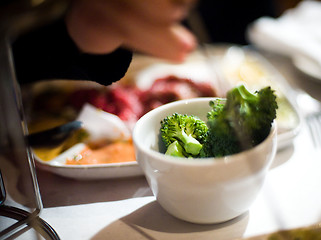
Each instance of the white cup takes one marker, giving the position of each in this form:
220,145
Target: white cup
204,190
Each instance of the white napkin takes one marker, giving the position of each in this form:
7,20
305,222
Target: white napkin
296,33
101,124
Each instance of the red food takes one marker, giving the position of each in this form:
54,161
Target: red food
125,103
130,103
96,97
172,88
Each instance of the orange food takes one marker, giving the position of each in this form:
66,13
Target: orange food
115,152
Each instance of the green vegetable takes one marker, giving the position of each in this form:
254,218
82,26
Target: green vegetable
188,131
217,107
175,149
243,122
237,123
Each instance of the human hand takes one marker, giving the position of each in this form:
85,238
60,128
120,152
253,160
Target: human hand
148,26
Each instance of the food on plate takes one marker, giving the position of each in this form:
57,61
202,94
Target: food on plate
49,153
103,138
121,100
237,123
93,152
129,103
113,152
126,101
172,88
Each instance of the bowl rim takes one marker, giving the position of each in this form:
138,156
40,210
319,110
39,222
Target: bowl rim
193,161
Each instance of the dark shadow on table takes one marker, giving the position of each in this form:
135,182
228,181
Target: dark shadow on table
153,222
60,191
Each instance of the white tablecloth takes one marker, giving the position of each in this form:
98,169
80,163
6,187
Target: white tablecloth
126,208
291,197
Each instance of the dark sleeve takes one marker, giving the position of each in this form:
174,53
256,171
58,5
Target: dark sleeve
49,53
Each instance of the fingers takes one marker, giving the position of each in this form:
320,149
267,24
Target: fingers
148,26
91,25
172,43
152,35
161,11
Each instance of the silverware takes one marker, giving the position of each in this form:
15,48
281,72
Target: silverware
314,124
54,136
197,26
311,111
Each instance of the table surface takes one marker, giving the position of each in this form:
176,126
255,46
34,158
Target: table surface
126,208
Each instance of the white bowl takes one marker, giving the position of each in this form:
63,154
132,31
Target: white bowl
204,191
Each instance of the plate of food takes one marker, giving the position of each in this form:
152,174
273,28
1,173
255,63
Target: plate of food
149,83
104,110
101,148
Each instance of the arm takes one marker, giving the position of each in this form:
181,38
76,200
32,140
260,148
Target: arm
50,53
90,43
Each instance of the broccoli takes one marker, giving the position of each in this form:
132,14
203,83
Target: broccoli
237,123
175,149
241,123
189,131
217,107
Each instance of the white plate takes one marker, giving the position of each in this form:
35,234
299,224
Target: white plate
307,66
99,124
94,172
88,172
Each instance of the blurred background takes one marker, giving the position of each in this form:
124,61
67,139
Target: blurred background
227,20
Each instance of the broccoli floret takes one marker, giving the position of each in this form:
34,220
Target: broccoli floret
221,138
217,107
243,122
189,131
175,149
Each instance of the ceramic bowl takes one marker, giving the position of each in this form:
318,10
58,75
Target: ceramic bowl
201,190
